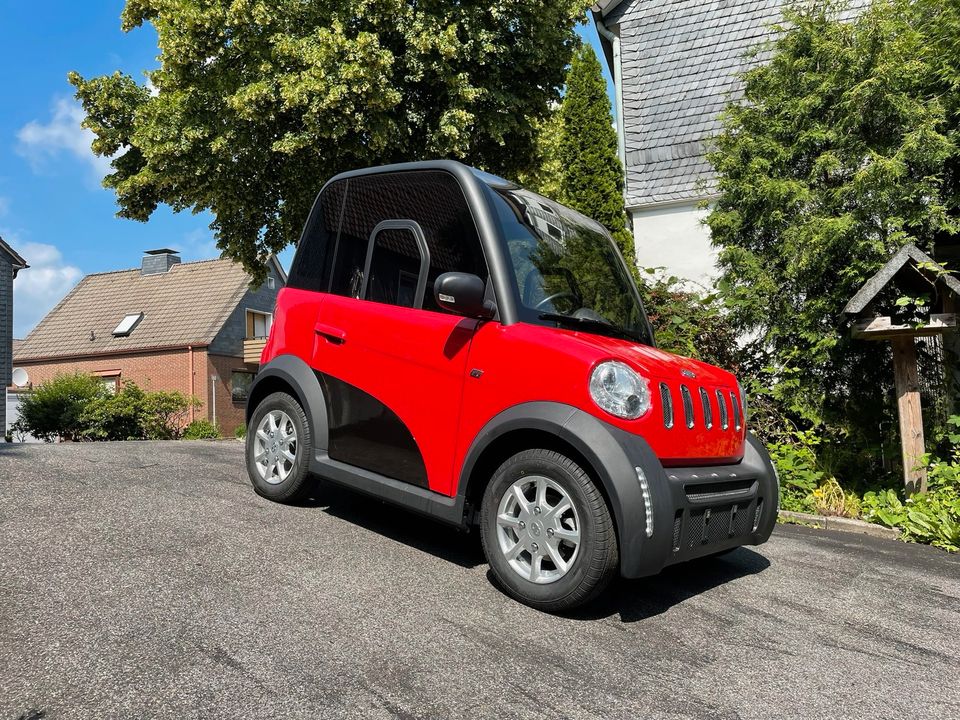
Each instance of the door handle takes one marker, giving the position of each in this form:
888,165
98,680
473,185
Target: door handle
330,333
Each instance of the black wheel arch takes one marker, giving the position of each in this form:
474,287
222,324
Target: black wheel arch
597,446
290,374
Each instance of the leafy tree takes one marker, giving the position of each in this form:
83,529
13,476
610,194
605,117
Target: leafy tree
590,173
256,103
546,172
689,320
844,148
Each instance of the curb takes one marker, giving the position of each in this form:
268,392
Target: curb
842,524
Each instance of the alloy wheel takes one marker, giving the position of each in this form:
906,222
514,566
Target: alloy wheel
538,529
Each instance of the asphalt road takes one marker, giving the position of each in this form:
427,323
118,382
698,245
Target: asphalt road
147,580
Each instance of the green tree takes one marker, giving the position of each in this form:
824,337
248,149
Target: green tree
256,103
591,175
843,149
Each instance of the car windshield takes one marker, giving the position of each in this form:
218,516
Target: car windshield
568,271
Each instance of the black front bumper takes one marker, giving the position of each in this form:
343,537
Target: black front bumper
685,513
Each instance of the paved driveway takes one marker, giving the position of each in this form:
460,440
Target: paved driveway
142,580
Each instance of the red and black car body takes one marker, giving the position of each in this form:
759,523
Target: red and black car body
408,335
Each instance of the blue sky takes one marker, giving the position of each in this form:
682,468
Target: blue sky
53,210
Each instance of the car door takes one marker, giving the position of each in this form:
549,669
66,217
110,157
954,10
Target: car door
391,362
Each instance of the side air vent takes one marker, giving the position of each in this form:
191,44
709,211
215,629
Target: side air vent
737,417
667,402
707,410
687,405
724,415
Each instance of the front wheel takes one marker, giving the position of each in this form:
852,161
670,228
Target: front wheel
547,531
278,449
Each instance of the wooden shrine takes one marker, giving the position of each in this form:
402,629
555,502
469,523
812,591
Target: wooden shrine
909,273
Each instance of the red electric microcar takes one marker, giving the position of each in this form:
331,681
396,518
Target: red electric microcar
477,353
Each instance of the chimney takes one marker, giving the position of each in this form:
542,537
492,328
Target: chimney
159,261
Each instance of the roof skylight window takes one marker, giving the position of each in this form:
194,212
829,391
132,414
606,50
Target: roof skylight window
127,325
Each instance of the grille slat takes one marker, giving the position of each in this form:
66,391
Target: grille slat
666,400
737,417
707,410
687,405
724,416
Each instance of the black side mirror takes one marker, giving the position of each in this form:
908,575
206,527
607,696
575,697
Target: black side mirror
463,294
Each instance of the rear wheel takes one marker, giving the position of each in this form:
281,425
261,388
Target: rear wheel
278,448
547,532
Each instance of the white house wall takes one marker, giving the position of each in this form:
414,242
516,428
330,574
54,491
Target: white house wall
674,237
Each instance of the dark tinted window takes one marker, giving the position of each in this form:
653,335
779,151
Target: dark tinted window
394,268
431,198
311,264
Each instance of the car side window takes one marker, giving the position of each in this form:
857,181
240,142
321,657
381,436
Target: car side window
396,265
312,263
434,201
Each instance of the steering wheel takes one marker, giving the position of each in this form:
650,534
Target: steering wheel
555,296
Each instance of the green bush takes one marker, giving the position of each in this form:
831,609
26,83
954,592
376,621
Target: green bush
164,414
800,475
241,432
114,416
201,430
79,407
932,517
56,408
132,414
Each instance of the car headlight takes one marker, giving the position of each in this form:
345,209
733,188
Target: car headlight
619,390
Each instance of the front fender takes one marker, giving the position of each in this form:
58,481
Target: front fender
603,446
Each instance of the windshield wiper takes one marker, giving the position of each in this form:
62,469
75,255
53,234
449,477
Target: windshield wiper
598,326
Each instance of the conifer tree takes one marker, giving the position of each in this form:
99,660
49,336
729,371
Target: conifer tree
591,175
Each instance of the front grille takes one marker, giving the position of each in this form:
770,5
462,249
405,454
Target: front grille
718,491
713,416
714,525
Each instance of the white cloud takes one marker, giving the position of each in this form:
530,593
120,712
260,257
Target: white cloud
41,286
41,143
198,244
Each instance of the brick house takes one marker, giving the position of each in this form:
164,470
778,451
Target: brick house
195,327
10,264
675,65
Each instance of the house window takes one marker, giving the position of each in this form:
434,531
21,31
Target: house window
127,325
271,283
240,385
109,378
258,324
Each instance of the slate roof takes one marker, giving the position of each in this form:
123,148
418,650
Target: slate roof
908,255
18,262
187,305
680,65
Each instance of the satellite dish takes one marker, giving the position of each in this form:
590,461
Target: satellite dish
20,377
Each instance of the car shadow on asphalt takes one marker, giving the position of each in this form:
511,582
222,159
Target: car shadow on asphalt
398,524
632,600
635,600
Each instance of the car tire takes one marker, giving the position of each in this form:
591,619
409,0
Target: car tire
278,431
515,531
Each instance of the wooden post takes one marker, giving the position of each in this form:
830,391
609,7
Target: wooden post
911,416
